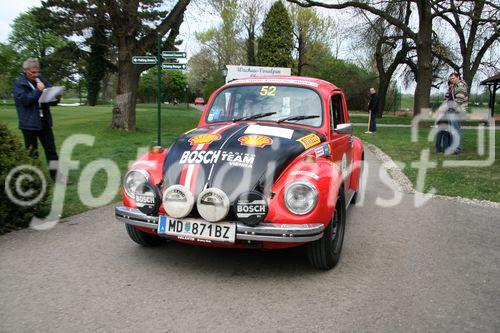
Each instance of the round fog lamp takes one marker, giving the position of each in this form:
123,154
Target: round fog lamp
213,204
147,198
251,208
178,201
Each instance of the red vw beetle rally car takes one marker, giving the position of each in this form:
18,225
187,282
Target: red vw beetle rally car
272,164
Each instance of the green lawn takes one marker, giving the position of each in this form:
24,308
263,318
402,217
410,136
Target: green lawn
469,182
120,147
386,119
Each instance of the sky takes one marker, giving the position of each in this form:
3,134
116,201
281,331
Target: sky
10,12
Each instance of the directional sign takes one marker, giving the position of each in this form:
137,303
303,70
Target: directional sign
173,66
173,54
144,60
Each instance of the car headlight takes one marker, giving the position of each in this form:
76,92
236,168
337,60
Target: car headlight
301,197
133,179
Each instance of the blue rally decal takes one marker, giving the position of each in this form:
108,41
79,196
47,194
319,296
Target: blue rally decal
163,224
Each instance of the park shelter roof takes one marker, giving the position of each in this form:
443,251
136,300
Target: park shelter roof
493,84
492,80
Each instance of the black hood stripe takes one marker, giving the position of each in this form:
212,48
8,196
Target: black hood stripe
231,164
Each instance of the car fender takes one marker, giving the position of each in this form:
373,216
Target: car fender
152,163
357,163
324,174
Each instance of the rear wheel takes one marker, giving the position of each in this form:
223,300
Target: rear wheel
325,252
143,238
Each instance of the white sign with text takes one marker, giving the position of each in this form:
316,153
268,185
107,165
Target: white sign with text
235,72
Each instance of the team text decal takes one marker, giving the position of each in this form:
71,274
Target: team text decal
305,173
255,140
237,159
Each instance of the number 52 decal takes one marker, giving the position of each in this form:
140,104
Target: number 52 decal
268,91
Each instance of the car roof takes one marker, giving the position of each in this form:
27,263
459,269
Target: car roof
286,79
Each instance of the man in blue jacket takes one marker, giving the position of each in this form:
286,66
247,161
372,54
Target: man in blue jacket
35,120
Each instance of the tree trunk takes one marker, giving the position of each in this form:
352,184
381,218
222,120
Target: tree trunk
93,89
383,86
467,73
126,94
424,58
251,48
300,58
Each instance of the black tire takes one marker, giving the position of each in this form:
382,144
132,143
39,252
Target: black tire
325,252
143,238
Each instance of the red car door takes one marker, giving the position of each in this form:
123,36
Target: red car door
341,144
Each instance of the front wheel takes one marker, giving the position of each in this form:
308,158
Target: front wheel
325,252
143,238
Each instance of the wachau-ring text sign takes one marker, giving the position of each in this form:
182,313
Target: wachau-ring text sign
152,60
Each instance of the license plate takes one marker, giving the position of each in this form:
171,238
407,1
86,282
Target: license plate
197,230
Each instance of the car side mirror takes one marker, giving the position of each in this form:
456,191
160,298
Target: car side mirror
343,128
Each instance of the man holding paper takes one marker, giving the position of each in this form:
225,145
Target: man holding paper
33,100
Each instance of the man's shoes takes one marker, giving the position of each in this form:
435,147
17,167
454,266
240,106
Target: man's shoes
368,132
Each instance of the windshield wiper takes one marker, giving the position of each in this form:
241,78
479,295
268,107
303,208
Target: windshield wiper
255,116
296,118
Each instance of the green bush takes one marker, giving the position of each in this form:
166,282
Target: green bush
12,154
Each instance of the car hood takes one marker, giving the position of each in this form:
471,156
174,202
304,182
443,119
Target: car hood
235,157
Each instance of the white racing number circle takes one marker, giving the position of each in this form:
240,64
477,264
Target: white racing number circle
250,208
178,201
147,198
213,204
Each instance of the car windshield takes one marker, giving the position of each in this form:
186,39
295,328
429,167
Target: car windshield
285,103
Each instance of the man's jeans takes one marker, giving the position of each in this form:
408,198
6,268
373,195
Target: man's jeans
456,132
442,138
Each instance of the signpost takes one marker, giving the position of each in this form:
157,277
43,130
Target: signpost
152,60
174,54
144,60
173,66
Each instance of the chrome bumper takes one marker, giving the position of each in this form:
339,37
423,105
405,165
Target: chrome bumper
267,232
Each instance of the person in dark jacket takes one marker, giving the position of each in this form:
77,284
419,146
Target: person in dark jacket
35,120
372,111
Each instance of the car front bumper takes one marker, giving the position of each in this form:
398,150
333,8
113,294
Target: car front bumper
265,232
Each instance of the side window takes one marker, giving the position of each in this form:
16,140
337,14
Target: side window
336,111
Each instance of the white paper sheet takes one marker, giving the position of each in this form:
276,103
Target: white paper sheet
49,94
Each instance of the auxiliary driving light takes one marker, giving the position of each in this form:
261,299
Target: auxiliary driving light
178,201
213,204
